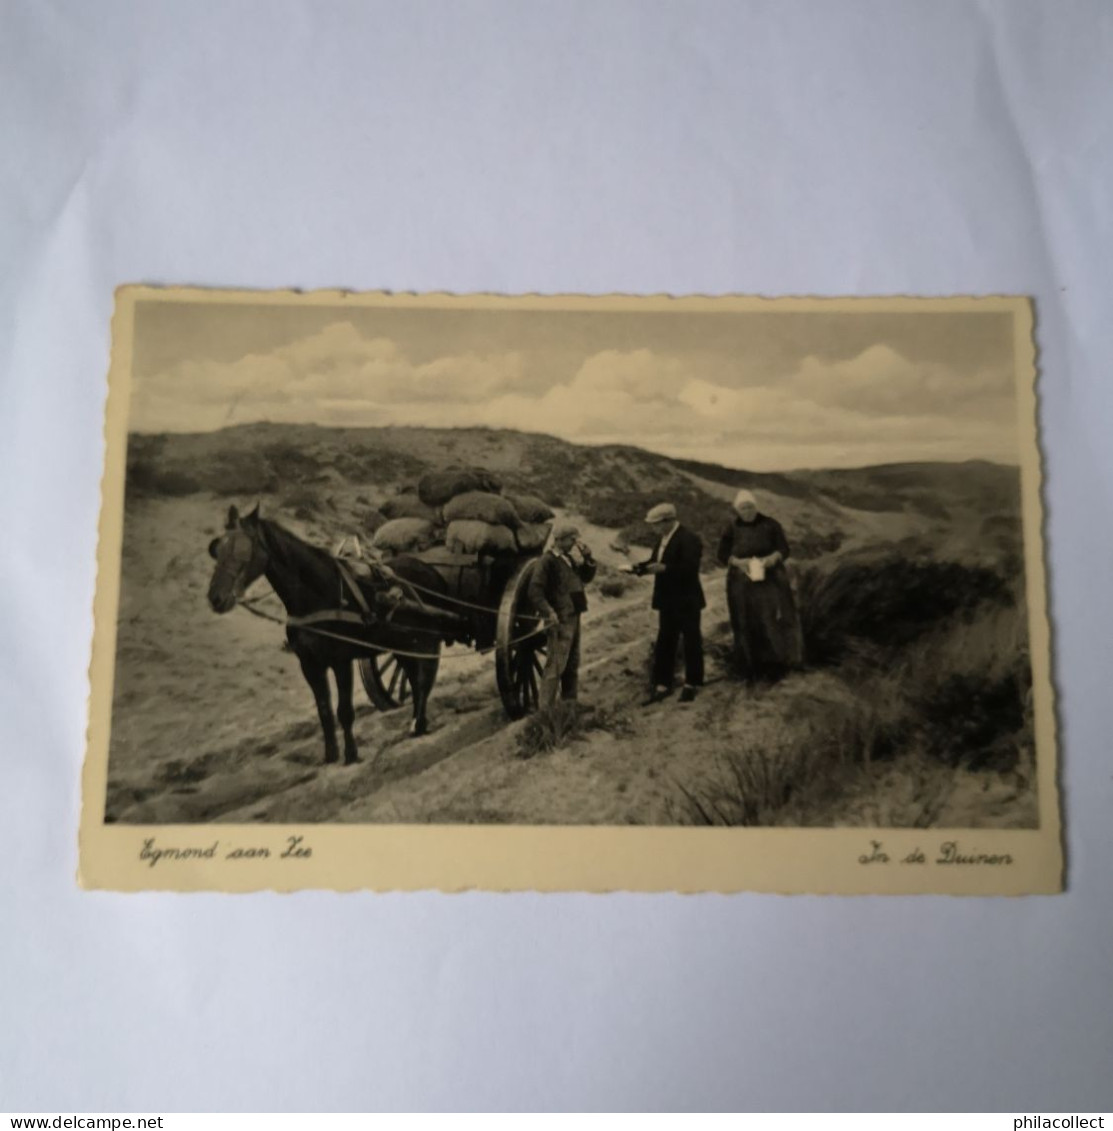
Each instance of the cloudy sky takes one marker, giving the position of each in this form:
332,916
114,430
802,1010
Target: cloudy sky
763,390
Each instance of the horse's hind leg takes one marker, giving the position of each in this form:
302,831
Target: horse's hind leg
415,673
316,675
345,712
422,675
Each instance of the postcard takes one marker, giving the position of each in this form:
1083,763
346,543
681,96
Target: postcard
571,593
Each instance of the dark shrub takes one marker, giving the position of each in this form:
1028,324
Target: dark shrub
887,603
177,483
292,464
808,545
931,507
363,463
625,511
638,534
147,479
616,510
241,473
305,504
971,717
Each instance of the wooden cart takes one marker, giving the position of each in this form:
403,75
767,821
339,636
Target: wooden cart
487,607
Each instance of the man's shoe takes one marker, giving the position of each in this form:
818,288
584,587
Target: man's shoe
688,694
656,695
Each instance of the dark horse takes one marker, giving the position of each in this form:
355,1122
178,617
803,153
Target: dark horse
308,580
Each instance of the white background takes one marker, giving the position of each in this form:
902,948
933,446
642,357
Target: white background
792,148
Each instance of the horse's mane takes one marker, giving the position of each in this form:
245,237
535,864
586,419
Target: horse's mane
303,575
289,548
316,568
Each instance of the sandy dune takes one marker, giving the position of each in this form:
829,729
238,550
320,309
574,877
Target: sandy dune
213,722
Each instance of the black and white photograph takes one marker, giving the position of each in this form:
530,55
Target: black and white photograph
556,558
560,564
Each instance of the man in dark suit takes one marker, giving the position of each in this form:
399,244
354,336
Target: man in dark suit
678,599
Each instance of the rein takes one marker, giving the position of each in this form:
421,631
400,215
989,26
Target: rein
412,655
309,622
250,603
458,601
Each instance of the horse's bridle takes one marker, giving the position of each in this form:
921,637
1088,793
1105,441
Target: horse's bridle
236,560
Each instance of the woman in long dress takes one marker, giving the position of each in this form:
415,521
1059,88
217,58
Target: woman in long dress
763,616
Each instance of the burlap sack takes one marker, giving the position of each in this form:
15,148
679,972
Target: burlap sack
408,505
437,487
470,536
478,506
530,508
404,535
532,536
372,520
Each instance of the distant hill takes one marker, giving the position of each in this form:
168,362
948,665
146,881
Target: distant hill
935,489
333,477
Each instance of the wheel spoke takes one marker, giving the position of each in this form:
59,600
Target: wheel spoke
384,679
520,662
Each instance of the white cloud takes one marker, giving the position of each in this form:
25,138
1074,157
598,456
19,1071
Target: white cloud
875,407
882,381
640,374
333,367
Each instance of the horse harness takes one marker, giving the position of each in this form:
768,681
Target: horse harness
311,622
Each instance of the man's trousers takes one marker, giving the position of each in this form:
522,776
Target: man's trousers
562,664
672,625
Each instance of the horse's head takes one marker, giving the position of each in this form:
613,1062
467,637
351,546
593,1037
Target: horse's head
240,559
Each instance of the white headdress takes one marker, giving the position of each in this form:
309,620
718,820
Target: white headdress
742,498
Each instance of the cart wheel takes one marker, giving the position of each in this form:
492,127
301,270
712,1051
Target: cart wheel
385,680
519,656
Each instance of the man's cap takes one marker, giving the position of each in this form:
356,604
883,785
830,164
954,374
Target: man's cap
564,530
662,512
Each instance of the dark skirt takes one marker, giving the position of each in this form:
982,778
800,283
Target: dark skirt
766,625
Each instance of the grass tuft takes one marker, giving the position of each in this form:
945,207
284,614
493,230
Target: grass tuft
544,732
956,699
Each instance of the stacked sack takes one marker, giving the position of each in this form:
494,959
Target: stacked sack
404,536
537,521
439,487
410,525
465,509
408,504
481,522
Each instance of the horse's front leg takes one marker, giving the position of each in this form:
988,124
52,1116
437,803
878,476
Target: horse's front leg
345,712
316,675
